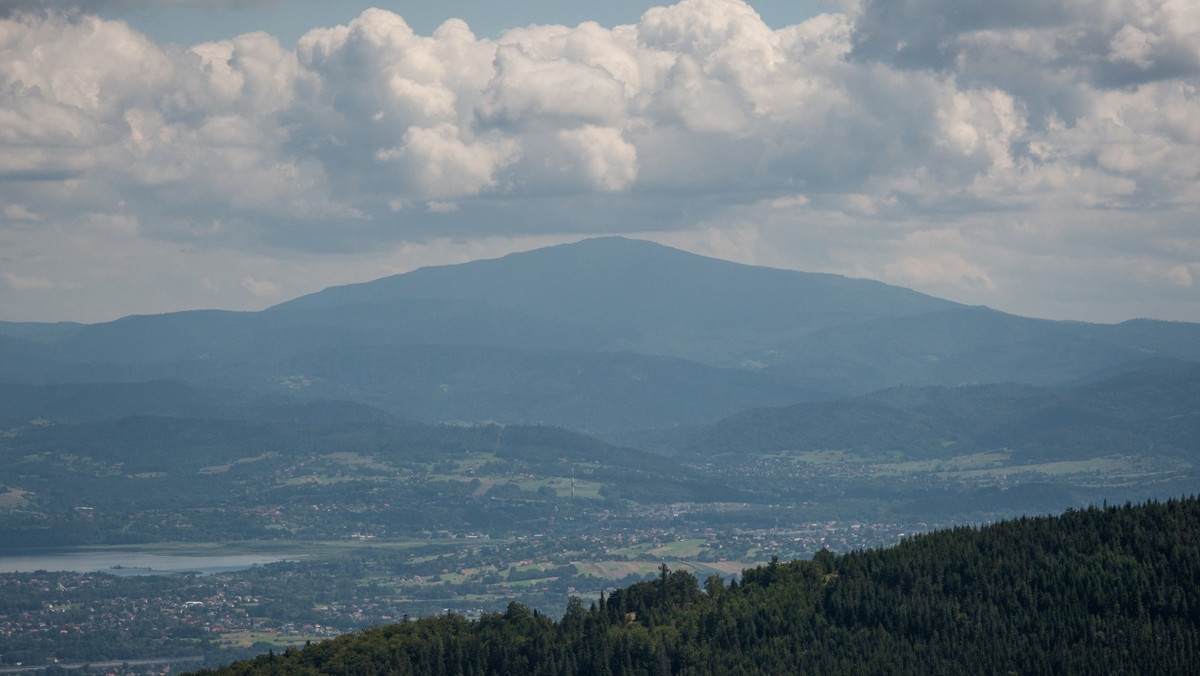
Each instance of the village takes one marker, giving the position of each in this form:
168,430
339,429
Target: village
49,618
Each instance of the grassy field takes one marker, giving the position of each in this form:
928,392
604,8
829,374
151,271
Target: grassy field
220,469
247,638
678,550
1112,469
12,497
616,570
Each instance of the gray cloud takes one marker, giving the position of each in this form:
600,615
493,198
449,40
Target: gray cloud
1042,51
927,33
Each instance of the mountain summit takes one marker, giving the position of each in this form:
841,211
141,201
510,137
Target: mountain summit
662,300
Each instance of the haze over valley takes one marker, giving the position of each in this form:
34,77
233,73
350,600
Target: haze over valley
569,416
322,316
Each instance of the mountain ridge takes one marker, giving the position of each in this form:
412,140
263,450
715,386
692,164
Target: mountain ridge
772,331
648,288
1152,411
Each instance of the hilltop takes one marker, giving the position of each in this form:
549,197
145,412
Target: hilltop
604,335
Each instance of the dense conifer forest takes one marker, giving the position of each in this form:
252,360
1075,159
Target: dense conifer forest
1099,590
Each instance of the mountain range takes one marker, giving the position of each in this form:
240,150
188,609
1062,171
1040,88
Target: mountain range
1152,411
729,412
605,335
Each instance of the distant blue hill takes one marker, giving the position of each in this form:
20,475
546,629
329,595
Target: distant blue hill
1153,411
88,402
602,335
658,299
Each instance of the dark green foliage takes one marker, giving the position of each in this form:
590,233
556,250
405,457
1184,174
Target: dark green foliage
1113,590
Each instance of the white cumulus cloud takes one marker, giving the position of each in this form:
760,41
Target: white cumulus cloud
1064,131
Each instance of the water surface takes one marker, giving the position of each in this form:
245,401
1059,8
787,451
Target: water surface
124,562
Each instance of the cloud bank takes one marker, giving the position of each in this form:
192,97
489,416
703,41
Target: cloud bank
1040,157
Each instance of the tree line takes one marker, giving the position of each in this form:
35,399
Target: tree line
1099,590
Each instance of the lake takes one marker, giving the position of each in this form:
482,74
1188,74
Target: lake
125,562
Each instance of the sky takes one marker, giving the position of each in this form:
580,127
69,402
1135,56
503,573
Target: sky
1039,157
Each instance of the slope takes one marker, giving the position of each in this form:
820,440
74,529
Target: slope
519,327
1154,412
1109,590
148,479
586,391
91,402
664,300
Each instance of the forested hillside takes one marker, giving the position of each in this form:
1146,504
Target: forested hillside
1153,411
1101,590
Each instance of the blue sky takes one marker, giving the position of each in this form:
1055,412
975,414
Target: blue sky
190,23
1041,158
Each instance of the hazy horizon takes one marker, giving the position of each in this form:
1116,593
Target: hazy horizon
1039,159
